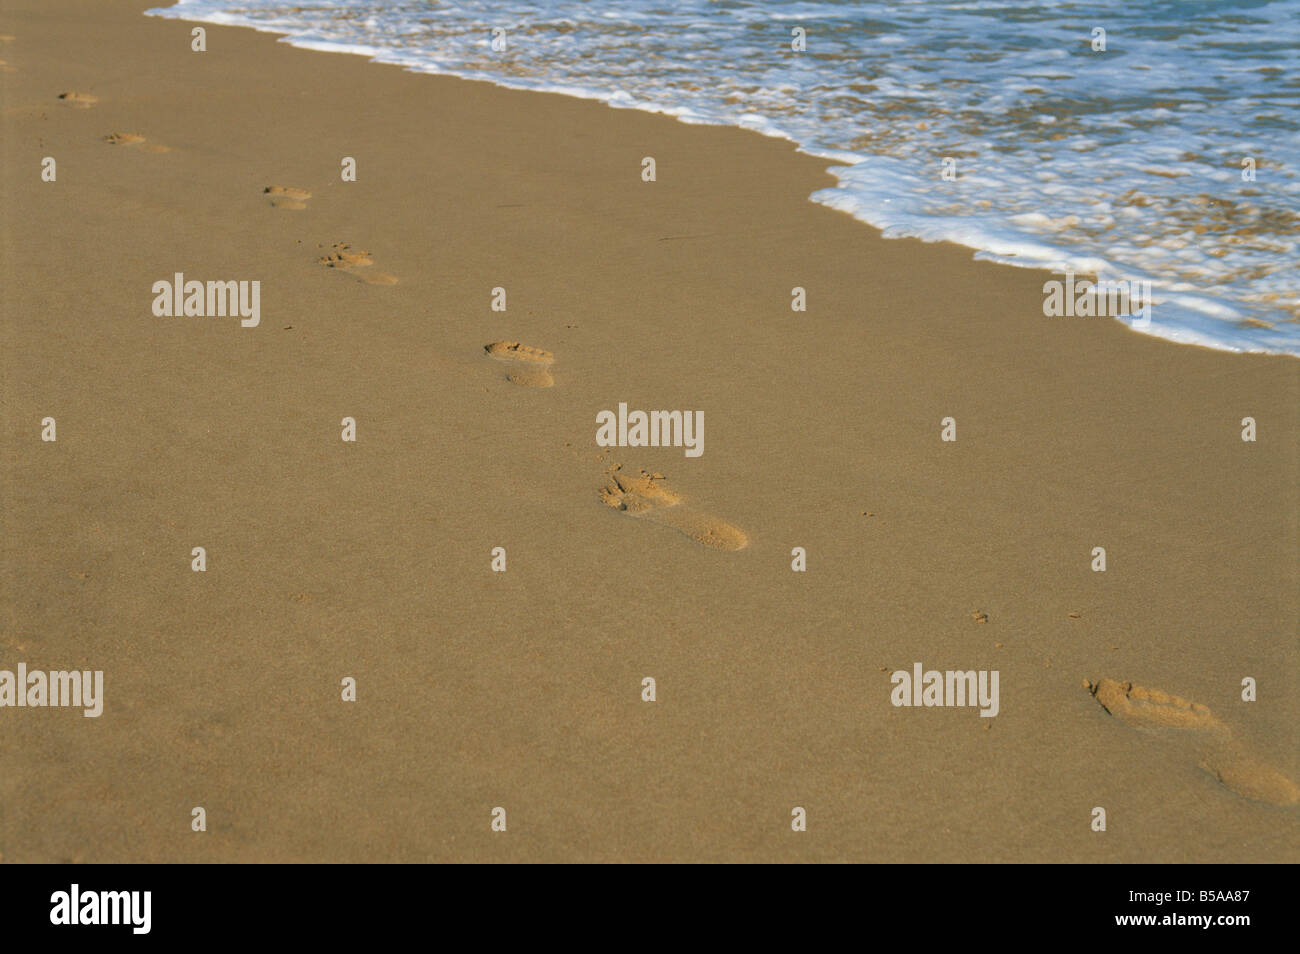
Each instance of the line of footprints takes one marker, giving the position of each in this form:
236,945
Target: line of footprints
77,100
645,495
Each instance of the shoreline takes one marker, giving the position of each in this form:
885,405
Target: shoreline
372,559
840,199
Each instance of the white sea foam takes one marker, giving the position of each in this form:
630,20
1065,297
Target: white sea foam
1126,164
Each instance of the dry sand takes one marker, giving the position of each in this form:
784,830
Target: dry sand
522,689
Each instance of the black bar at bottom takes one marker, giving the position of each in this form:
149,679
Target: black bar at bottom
333,904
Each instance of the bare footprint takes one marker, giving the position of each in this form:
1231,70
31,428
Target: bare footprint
78,100
645,495
287,197
134,139
1145,708
1218,752
532,365
344,257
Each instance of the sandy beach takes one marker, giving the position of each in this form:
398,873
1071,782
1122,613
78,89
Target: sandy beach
372,559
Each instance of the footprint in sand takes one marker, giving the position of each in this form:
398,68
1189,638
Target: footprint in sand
343,257
134,139
531,365
645,495
287,197
78,100
1217,751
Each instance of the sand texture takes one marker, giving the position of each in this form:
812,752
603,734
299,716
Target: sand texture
373,559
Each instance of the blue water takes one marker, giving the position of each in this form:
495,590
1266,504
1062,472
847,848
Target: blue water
1125,163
